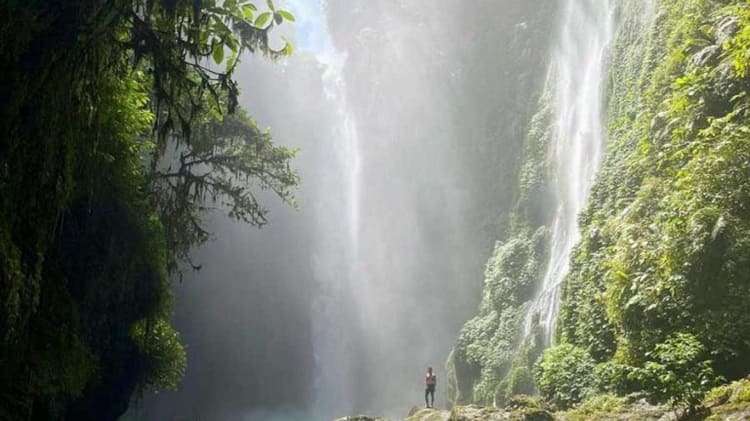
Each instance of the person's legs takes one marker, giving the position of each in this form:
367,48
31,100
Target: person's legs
432,396
426,392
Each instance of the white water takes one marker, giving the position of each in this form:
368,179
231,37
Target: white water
578,71
390,230
335,264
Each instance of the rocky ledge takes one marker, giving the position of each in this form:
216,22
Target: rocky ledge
729,402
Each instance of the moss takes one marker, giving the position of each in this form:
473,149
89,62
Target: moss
732,411
734,395
523,402
718,396
485,362
742,391
531,414
425,414
601,404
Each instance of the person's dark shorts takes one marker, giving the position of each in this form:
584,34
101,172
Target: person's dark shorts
430,387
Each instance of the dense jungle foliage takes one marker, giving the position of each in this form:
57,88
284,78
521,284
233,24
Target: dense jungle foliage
664,264
118,127
655,304
491,361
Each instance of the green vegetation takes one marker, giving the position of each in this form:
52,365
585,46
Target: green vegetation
115,133
677,371
488,343
737,392
603,404
564,375
522,401
491,362
659,282
655,301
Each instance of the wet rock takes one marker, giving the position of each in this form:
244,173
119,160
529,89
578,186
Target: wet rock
707,56
727,28
427,414
475,413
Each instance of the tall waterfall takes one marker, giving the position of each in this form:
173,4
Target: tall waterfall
576,82
337,252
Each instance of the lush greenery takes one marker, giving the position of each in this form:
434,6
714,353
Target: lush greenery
678,371
116,131
659,284
487,345
492,361
655,302
564,375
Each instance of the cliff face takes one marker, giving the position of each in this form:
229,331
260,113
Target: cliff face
664,258
489,363
665,250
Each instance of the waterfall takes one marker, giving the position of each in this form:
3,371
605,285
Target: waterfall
577,76
335,261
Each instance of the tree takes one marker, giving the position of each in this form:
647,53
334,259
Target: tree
100,97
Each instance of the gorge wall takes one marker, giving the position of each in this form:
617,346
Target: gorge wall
662,263
664,251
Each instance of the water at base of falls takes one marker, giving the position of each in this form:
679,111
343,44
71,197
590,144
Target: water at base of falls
576,81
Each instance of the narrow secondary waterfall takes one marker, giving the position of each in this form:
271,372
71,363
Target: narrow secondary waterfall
577,78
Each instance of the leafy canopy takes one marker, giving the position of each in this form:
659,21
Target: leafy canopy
119,127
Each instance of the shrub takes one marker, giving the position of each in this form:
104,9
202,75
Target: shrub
678,371
604,403
612,377
523,402
564,375
520,382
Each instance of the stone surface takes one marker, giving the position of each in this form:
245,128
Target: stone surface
732,410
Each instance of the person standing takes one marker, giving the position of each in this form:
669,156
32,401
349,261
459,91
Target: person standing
430,381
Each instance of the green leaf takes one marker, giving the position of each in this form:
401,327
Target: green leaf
262,19
220,28
232,44
248,12
288,49
217,52
277,18
286,15
270,5
230,5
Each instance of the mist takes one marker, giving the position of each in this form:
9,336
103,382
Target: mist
408,117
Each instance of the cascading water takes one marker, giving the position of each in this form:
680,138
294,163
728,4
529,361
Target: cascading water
334,389
335,262
395,109
577,80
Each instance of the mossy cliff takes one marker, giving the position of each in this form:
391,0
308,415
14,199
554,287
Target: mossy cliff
655,301
486,366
